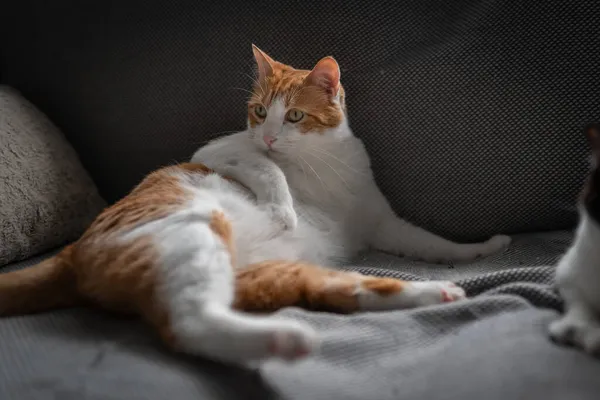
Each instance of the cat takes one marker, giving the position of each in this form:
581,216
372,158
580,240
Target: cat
578,271
248,226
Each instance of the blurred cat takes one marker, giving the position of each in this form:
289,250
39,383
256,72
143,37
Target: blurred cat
578,272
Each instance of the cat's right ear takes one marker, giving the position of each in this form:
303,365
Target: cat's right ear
592,132
326,74
263,62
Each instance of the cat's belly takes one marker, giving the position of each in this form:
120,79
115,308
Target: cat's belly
258,238
323,245
317,238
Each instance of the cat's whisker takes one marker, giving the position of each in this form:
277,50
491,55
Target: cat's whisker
223,132
254,79
250,67
216,135
286,146
333,169
296,92
303,171
262,90
315,172
327,153
308,147
257,84
301,162
243,90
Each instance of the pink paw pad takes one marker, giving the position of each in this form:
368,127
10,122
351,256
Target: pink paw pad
446,298
289,346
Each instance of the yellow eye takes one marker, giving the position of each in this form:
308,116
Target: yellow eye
260,111
294,115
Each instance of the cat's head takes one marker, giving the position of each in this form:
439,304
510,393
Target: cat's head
290,107
591,193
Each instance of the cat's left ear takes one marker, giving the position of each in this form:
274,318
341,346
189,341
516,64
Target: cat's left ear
326,74
263,62
592,132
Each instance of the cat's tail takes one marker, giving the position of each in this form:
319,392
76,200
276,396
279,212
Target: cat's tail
45,286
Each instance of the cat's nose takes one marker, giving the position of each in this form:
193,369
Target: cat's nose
269,140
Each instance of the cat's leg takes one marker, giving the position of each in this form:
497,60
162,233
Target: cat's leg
269,184
579,326
197,289
271,285
258,173
397,236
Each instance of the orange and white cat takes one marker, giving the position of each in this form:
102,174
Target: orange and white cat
247,226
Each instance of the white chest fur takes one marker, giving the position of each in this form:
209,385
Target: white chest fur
578,280
579,268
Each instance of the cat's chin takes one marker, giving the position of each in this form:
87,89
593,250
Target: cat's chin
274,153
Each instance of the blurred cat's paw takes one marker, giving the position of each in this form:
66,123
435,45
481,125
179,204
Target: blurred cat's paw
284,215
499,242
577,331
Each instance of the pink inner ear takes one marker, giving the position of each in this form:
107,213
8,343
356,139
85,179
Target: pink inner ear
263,62
326,74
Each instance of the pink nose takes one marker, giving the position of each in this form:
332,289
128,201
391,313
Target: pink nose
269,140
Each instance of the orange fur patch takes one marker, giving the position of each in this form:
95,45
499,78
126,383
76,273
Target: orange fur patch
120,277
221,226
287,83
383,286
271,285
157,196
50,284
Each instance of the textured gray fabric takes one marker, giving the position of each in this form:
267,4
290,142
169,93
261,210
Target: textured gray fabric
493,346
46,196
472,110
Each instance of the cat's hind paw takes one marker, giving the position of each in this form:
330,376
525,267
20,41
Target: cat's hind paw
380,294
293,342
435,292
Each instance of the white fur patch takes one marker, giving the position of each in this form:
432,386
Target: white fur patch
413,294
578,280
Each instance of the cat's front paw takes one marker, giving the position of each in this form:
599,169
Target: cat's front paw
583,333
285,216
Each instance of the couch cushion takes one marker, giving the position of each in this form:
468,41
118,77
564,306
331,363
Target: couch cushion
472,110
47,198
493,346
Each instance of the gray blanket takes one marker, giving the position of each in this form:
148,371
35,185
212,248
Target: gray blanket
493,346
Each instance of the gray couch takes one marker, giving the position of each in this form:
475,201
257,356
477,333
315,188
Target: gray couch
472,112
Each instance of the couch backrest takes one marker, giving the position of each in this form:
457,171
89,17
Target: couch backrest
472,110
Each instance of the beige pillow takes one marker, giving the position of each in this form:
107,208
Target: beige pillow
46,197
